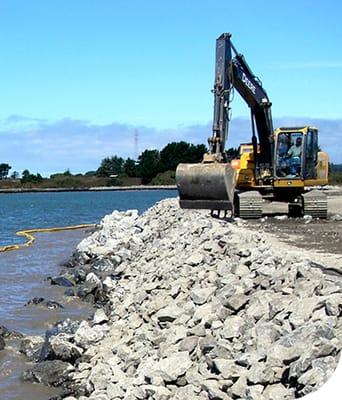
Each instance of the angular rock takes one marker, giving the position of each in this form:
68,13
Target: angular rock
156,392
277,392
201,295
31,346
92,280
100,317
52,373
86,335
207,343
212,388
236,301
67,326
61,281
188,344
228,369
169,313
170,368
108,284
320,372
239,389
195,259
261,373
115,391
63,349
100,376
233,327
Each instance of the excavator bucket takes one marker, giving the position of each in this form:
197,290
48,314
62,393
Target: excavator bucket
206,186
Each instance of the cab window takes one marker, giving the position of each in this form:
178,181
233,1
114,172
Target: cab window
289,155
311,148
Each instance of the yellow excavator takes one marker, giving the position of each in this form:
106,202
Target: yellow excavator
284,164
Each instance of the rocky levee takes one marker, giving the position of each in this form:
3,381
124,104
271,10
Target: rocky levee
190,307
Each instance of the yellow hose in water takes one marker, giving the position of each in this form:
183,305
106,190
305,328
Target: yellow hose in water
28,234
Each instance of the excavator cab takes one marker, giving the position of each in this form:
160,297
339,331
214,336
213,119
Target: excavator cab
297,161
289,155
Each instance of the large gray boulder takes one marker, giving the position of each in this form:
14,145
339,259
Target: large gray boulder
52,372
31,346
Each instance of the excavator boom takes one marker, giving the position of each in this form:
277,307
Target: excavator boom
281,162
211,184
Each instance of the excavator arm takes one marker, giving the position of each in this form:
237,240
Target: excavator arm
233,72
222,91
251,90
211,184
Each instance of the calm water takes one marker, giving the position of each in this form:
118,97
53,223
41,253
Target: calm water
40,210
23,273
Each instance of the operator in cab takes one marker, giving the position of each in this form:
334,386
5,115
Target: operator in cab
296,149
294,153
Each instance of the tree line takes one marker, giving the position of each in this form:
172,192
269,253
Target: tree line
152,166
26,176
152,163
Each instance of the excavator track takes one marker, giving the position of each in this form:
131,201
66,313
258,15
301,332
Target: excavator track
249,205
315,203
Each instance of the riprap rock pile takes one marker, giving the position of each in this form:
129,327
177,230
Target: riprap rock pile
197,308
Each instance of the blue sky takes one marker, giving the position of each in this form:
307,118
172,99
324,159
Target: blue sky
78,78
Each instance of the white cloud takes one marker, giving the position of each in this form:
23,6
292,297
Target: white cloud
48,147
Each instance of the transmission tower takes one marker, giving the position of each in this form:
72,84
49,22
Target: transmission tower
136,148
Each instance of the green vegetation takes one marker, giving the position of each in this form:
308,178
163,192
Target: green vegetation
4,170
149,165
164,178
335,178
233,153
180,152
153,167
335,174
129,168
28,178
110,166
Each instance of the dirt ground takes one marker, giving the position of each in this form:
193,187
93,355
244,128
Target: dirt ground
320,236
